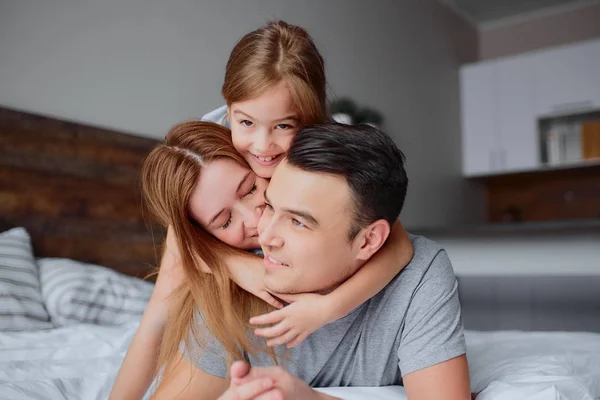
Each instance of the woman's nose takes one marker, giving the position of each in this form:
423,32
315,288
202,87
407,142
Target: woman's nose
251,215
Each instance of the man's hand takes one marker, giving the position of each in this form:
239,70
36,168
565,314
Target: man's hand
285,386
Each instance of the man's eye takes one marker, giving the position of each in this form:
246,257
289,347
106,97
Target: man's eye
246,123
226,224
269,207
251,190
297,223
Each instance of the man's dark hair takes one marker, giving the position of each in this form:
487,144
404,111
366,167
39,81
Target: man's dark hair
369,160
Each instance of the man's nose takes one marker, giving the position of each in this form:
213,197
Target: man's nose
267,234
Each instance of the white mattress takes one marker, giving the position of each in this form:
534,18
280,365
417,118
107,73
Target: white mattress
81,362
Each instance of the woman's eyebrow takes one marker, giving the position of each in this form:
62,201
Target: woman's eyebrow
242,181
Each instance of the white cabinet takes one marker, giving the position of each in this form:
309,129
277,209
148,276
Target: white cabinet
503,100
518,145
567,79
478,109
498,122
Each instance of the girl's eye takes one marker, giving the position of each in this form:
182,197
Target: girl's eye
226,224
284,126
246,123
297,223
269,207
251,190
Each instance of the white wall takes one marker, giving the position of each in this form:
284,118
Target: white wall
142,65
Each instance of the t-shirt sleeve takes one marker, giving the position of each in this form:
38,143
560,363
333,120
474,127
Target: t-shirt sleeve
211,358
218,116
433,329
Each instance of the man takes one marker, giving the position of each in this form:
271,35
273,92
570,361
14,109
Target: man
330,206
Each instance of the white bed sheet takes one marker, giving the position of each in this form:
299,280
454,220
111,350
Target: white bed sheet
81,362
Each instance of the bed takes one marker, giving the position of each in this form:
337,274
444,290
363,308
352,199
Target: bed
75,241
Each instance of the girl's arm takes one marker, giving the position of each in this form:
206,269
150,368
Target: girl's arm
395,254
309,312
138,368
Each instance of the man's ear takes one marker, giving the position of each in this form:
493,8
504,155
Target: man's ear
371,238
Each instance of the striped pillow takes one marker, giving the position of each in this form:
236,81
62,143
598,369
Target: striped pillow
21,304
75,292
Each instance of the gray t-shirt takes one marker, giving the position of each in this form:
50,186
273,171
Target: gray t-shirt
413,323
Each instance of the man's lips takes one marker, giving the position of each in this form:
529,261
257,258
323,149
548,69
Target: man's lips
273,264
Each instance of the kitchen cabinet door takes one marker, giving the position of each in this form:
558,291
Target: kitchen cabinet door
517,123
479,145
567,79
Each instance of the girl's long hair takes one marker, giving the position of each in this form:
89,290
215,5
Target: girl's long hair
279,52
169,174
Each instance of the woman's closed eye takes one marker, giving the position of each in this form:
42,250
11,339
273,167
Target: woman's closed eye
252,190
226,224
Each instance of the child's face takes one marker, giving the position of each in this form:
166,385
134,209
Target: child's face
262,128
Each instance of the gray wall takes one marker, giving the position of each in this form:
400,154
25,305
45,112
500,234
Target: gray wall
140,66
554,29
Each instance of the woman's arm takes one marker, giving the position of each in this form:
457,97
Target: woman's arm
138,368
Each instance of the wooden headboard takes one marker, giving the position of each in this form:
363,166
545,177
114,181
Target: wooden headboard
76,189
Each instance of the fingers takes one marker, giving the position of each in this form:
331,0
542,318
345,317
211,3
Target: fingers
238,370
273,394
275,373
272,331
250,390
270,318
290,298
267,298
289,335
299,339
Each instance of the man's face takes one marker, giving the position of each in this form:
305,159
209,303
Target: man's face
304,231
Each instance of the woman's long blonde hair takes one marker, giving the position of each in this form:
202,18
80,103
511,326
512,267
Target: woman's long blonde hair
169,174
279,52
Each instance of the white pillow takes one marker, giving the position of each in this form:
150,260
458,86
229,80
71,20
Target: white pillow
76,292
21,304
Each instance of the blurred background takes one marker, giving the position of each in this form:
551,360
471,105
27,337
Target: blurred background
496,105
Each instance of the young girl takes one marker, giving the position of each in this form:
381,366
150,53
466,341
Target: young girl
274,84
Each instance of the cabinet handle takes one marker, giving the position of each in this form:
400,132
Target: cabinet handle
493,160
502,159
573,106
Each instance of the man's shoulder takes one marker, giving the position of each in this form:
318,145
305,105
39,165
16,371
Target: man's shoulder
430,261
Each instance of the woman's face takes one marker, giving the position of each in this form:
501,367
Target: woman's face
227,201
262,128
